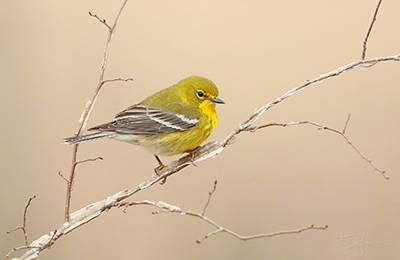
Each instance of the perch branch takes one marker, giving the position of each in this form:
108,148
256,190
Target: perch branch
323,127
165,207
90,104
364,51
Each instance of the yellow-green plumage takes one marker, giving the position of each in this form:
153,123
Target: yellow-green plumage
185,102
172,121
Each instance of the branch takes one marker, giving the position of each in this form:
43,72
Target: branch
89,160
210,193
364,51
165,207
117,79
322,127
209,150
23,227
15,249
90,104
103,21
256,115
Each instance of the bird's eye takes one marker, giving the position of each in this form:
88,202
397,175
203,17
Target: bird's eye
200,93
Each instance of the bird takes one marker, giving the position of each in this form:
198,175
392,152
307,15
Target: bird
172,121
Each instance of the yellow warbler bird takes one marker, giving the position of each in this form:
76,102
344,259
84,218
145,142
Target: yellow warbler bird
172,121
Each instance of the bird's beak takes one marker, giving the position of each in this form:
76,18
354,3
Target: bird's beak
216,100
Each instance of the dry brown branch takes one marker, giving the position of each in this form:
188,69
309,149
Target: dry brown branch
23,227
364,51
323,127
89,160
90,104
165,207
117,79
209,150
210,193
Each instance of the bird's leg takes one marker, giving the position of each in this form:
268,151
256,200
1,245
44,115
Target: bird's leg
159,168
192,154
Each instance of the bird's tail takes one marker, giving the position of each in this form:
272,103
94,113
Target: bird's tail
84,138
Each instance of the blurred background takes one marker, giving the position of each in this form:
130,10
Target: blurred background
275,179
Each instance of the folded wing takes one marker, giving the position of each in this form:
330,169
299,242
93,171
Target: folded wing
140,119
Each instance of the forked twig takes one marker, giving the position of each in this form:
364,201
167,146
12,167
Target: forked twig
165,207
323,127
23,227
90,104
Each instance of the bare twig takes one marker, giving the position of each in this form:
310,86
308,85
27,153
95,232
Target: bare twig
210,193
364,51
89,160
103,21
23,227
165,207
320,126
63,177
90,104
256,114
263,235
117,79
345,125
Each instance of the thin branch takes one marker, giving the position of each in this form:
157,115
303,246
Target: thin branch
23,227
103,21
210,193
256,114
117,79
89,160
63,177
165,207
323,127
345,125
364,51
264,235
89,106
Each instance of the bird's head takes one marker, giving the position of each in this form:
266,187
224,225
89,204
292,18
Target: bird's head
200,92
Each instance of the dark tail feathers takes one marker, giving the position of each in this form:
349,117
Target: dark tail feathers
84,138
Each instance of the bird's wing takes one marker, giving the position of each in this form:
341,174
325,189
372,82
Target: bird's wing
141,119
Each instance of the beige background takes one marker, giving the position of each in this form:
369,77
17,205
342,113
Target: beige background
276,179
